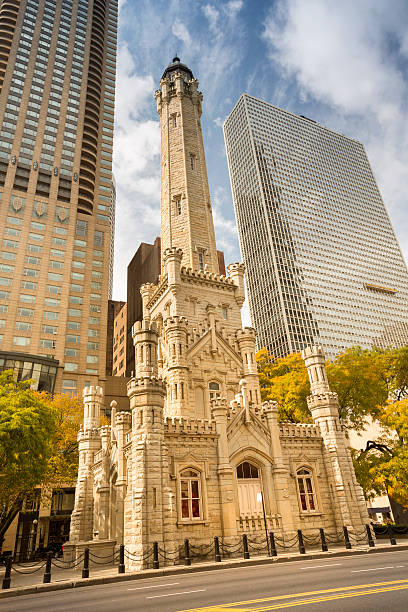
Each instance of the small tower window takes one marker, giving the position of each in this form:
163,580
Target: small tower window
173,118
224,310
214,389
306,490
192,161
178,206
201,261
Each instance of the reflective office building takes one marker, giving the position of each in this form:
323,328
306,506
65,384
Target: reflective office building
322,259
57,85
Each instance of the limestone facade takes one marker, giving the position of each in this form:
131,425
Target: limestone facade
196,447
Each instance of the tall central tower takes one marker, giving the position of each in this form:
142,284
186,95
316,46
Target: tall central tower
186,216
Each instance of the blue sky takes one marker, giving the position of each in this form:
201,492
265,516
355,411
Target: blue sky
343,64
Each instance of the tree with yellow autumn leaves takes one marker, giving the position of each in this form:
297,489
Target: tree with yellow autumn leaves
38,444
372,385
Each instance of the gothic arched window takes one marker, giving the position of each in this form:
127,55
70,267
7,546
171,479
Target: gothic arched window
247,470
190,494
307,494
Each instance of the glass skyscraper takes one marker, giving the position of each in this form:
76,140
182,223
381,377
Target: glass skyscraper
322,259
57,86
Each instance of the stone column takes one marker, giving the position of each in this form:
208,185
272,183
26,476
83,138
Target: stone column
225,471
145,518
103,491
246,342
89,443
123,423
280,473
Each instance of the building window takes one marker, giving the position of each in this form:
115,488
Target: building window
201,261
307,495
224,310
178,205
247,470
214,390
190,494
192,161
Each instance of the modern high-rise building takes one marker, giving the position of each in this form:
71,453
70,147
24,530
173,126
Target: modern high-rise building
57,80
322,259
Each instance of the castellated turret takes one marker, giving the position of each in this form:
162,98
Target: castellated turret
324,407
176,333
246,341
236,273
145,339
89,443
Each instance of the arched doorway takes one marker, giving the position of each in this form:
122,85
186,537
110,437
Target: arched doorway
249,489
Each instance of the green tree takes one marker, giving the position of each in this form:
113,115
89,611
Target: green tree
359,377
285,380
27,428
62,465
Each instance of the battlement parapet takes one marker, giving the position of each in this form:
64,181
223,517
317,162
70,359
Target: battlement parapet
316,399
145,383
173,252
144,326
219,402
87,434
188,274
175,321
123,418
313,351
105,431
181,425
248,333
298,430
92,391
236,267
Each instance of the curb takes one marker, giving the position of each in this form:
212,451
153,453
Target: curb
182,569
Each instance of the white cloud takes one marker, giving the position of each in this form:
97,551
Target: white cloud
212,16
180,31
347,56
136,166
233,7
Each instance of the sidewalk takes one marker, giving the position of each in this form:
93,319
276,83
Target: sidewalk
24,584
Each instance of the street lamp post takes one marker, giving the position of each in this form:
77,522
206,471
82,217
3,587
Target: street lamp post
259,498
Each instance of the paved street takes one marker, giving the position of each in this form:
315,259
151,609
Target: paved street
364,583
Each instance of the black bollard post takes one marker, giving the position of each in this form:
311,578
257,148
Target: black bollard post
121,568
245,545
85,569
371,542
187,560
323,540
7,575
393,541
155,555
274,552
346,537
47,573
217,550
302,549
